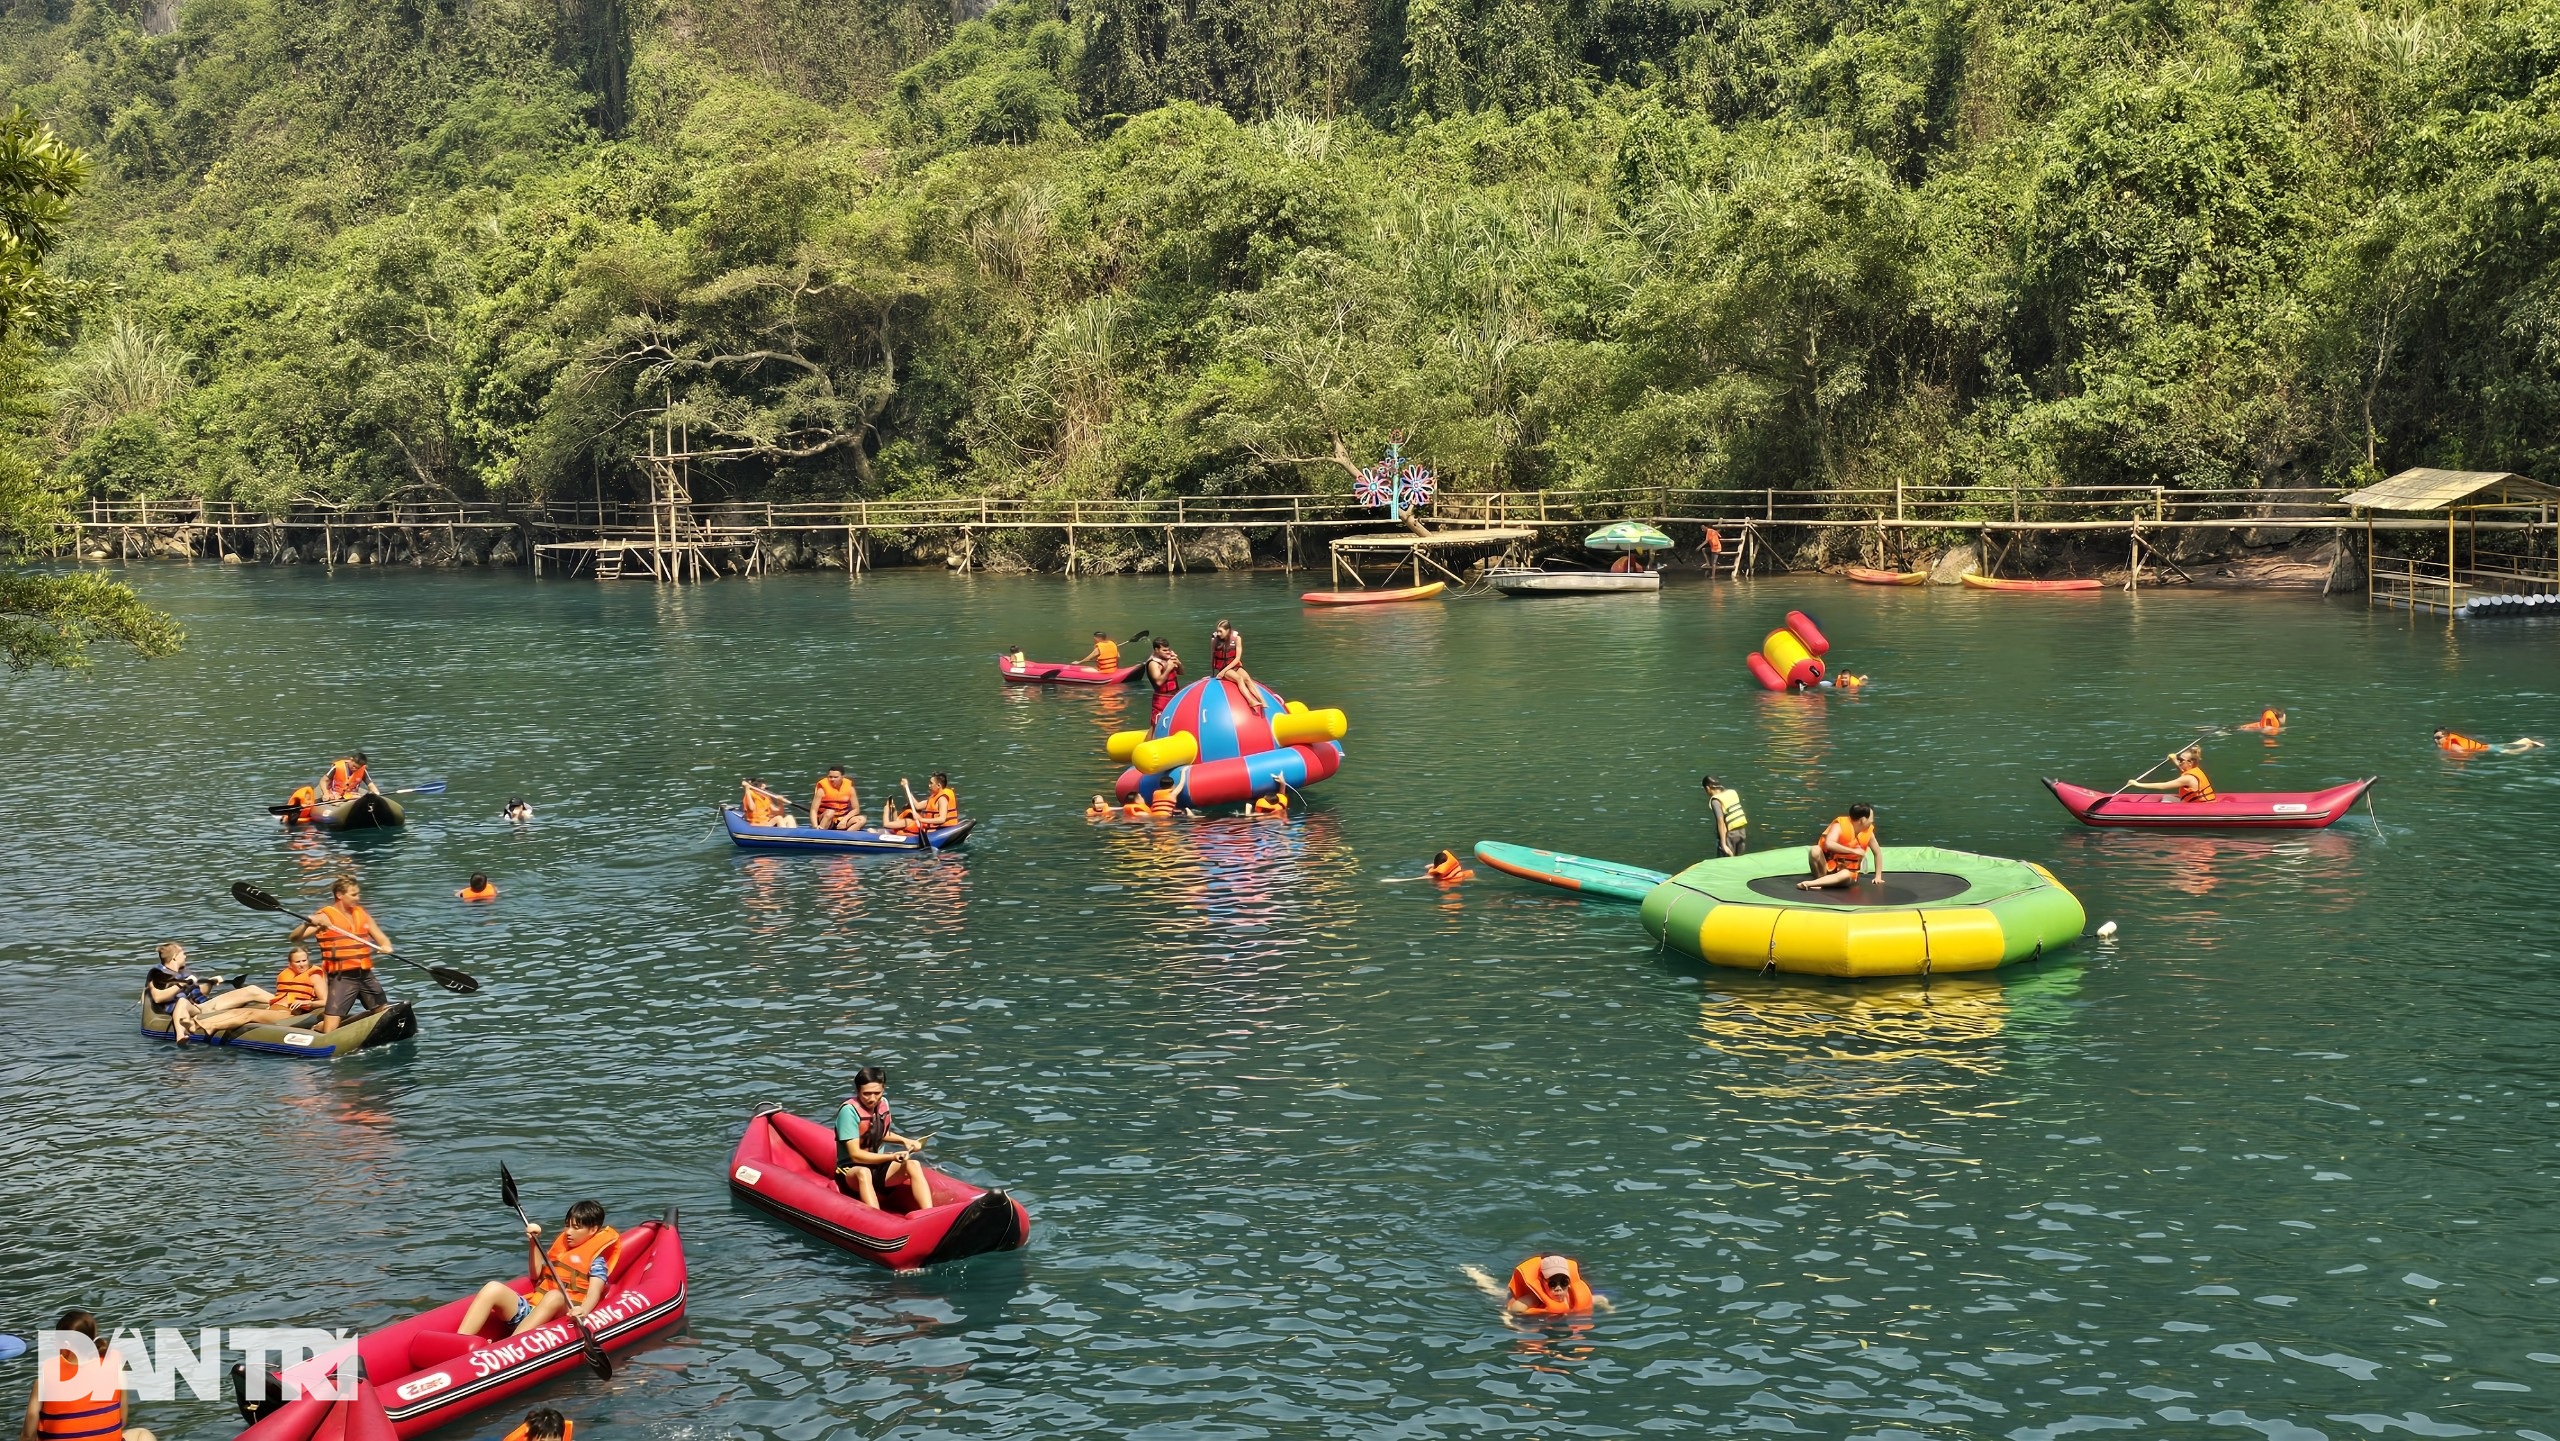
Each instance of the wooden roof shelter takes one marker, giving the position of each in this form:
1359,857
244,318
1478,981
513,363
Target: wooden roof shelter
2523,508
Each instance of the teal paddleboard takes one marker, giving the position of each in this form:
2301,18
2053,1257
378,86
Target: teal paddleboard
1572,873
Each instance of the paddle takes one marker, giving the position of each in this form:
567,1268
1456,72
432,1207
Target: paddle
597,1361
2137,780
430,788
258,900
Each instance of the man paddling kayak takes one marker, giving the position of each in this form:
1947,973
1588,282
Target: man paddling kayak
2190,782
1844,848
940,807
348,938
583,1256
865,1164
1105,655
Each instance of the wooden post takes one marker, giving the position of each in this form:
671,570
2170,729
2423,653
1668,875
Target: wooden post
2368,560
2449,515
328,544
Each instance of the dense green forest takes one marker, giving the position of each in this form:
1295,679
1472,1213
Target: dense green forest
352,248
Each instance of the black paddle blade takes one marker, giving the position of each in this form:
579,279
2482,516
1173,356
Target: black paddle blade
597,1361
255,899
453,980
507,1187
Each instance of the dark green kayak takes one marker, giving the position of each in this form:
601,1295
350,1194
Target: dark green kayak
392,1024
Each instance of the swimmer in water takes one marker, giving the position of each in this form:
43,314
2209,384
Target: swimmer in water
1542,1286
2455,743
2269,722
517,811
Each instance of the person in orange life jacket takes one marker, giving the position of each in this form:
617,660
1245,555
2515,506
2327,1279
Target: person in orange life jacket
1104,656
2189,782
1274,806
1101,809
348,939
1447,869
865,1166
297,807
940,806
835,805
1542,1286
478,890
2270,722
1844,848
583,1254
95,1417
761,807
1164,672
347,778
301,986
188,999
2453,743
1226,662
1627,564
544,1424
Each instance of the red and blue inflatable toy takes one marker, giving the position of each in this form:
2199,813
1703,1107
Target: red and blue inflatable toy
1209,748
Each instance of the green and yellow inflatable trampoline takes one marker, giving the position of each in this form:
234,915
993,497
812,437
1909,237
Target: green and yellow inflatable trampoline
1936,910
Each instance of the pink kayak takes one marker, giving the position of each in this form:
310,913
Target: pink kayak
428,1374
1052,673
785,1165
2230,810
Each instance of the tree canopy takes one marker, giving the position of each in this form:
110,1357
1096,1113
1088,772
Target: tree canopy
348,249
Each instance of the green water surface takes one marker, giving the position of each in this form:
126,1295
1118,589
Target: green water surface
2277,1162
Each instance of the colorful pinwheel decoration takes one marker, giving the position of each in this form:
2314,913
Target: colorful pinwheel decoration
1396,483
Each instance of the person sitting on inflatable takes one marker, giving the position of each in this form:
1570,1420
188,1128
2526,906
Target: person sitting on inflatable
2270,721
1105,655
1845,846
479,889
1226,662
2190,783
762,807
835,805
346,779
1446,869
188,999
864,1165
2455,743
582,1255
1543,1286
1014,659
544,1424
301,986
940,806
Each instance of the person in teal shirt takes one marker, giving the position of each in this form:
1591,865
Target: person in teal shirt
865,1163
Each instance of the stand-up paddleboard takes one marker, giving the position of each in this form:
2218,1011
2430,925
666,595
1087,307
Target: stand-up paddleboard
1572,873
1374,597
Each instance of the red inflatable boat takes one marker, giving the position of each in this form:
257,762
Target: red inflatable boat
786,1165
1052,673
427,1374
358,1418
2230,810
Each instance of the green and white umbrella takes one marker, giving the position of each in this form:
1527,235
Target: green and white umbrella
1627,535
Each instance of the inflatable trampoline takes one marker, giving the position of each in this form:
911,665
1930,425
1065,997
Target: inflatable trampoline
1936,910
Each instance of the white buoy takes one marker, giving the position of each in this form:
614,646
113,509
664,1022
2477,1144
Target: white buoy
2106,930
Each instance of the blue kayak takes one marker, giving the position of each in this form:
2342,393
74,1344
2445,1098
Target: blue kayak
1572,873
810,838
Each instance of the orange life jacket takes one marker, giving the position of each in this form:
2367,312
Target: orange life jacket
1106,655
298,805
81,1418
1448,870
758,808
1136,809
1844,835
1097,813
298,988
938,809
345,778
1529,1287
343,952
2204,787
486,893
573,1262
2270,722
2462,744
835,795
1271,806
1163,803
524,1431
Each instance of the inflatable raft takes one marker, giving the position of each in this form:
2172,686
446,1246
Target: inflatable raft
1042,672
361,1417
428,1374
810,838
391,1025
1374,597
1572,873
785,1166
1864,576
2230,810
1986,582
1936,910
361,813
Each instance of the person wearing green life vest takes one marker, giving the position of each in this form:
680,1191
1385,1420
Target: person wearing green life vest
1730,821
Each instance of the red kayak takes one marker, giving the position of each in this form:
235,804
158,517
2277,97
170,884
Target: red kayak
1374,597
2230,810
786,1165
1988,582
1864,576
428,1374
1052,673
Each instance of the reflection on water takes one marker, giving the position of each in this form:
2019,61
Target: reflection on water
1263,1107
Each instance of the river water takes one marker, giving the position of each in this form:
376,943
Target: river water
2276,1162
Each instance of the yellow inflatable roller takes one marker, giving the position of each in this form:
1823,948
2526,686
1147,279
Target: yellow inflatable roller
1301,727
1157,756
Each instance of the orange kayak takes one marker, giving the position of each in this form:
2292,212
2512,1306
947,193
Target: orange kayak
1863,576
1985,582
1374,597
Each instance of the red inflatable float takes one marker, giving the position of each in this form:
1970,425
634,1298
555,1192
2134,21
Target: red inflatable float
1790,656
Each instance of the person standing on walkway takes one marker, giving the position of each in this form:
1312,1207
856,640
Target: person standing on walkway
1726,803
